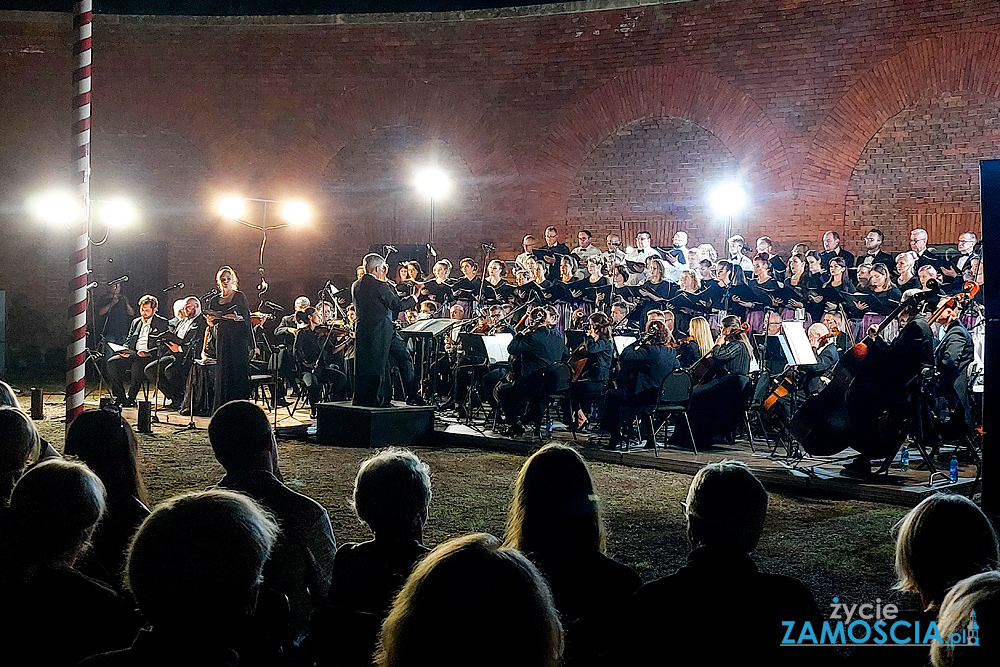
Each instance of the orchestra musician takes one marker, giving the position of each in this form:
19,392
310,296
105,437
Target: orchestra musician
229,318
597,350
810,378
141,350
718,402
285,335
314,351
537,348
952,357
700,334
645,364
375,301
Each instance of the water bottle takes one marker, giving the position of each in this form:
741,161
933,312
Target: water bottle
904,458
953,470
548,430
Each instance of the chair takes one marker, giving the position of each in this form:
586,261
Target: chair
674,398
559,375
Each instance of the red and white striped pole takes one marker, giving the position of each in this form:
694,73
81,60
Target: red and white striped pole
76,360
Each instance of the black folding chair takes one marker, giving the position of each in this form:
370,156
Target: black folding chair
674,398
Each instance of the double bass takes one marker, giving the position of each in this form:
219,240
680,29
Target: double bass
852,410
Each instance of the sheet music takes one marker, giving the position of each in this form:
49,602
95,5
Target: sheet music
621,342
496,347
798,341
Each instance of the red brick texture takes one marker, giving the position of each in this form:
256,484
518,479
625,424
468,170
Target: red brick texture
837,115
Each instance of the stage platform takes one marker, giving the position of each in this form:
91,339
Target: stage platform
809,476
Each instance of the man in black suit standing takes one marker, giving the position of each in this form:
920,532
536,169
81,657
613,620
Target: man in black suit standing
141,347
831,249
375,303
552,253
874,254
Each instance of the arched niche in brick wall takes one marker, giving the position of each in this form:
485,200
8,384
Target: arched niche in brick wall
921,169
654,175
454,118
659,91
967,63
369,184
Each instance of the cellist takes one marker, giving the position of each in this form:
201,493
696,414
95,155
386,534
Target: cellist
597,349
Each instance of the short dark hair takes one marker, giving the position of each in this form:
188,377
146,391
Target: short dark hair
834,234
876,230
150,299
587,232
239,432
551,228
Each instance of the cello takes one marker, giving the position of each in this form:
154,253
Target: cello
852,410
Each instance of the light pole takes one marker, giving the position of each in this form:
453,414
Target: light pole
433,183
726,200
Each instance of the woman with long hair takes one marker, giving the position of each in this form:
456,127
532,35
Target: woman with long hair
107,444
497,289
597,350
555,520
701,333
884,298
800,282
231,328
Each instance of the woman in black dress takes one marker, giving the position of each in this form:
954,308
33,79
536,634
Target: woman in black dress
234,340
593,382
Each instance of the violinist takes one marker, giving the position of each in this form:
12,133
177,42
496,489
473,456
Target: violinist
827,356
596,352
645,364
285,334
834,320
717,404
537,348
619,319
314,358
700,334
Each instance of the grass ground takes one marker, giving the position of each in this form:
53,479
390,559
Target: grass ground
836,547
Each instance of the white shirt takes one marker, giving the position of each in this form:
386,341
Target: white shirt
142,344
639,255
184,326
744,261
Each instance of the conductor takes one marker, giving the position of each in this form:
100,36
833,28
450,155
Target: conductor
375,303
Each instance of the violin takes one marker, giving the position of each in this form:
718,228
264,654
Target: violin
331,329
683,341
259,318
706,367
969,291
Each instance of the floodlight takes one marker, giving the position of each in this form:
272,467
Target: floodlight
432,182
117,212
728,199
231,207
296,212
56,207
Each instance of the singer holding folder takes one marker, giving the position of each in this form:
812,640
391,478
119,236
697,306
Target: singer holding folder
228,314
139,351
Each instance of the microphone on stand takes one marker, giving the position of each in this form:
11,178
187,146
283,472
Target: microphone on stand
123,279
489,247
174,286
431,250
389,248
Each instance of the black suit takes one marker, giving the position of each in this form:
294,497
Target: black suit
174,367
827,255
952,358
812,374
644,367
119,364
375,302
880,257
536,351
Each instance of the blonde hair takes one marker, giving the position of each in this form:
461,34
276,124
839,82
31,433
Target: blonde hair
977,594
702,333
472,597
224,270
941,541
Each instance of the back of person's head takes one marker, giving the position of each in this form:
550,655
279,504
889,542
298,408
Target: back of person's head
726,506
471,601
8,396
972,604
554,506
107,444
199,556
658,333
54,509
941,541
19,445
241,436
392,492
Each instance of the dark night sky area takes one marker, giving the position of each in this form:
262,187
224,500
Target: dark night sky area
263,7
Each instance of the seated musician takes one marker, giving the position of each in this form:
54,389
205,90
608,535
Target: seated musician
718,402
191,330
899,380
537,348
809,378
768,342
952,357
831,319
593,382
700,334
619,319
141,351
314,352
645,364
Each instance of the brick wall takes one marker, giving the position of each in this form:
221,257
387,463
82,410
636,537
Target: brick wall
837,114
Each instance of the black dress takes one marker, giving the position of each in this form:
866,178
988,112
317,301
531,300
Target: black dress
234,341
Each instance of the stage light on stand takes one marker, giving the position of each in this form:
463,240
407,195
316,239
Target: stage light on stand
728,199
231,207
433,183
296,213
56,208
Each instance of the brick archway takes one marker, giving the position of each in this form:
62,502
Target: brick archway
959,62
660,91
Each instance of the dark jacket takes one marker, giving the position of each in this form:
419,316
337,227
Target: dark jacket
157,325
911,350
302,559
653,363
375,302
813,373
538,349
725,591
599,355
827,255
732,357
952,358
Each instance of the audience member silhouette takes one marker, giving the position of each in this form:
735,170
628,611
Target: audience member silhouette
106,443
555,521
19,446
718,607
52,610
194,569
8,397
300,566
471,601
979,594
392,493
